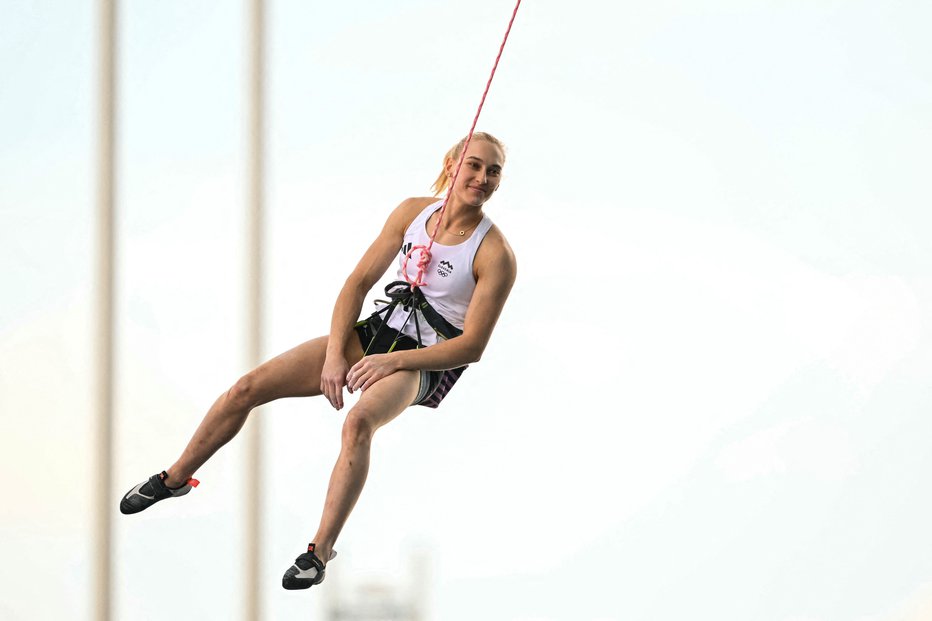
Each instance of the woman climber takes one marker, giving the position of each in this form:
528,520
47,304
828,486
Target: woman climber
410,353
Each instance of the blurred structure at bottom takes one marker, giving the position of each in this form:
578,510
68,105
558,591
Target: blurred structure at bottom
372,598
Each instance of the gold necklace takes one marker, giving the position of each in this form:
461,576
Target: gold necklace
462,232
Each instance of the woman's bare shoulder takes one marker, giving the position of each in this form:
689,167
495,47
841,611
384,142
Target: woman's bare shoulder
424,201
405,213
409,208
496,251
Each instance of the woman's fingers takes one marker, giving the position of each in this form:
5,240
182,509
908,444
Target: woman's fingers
353,375
369,381
333,379
357,379
337,400
368,371
353,384
333,390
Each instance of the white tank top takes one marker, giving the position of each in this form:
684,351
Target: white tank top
449,276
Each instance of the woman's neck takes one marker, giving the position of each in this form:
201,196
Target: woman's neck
458,219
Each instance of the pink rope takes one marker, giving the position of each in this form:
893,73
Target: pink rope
424,260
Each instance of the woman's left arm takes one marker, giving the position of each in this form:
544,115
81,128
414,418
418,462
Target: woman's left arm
495,268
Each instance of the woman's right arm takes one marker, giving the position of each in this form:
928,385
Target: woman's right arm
370,268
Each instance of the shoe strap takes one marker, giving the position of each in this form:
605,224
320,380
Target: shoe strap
164,475
315,560
312,548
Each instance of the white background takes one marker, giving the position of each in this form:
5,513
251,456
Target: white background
708,397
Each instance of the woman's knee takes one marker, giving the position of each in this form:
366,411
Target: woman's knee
357,429
244,393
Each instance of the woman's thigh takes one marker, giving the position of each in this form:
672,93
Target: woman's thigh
296,372
387,398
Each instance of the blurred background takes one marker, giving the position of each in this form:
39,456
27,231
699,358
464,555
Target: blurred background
708,396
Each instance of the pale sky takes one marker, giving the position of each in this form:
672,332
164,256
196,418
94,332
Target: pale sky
708,396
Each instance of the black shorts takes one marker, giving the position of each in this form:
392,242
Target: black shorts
434,384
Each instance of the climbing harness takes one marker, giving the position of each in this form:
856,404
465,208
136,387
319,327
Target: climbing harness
411,299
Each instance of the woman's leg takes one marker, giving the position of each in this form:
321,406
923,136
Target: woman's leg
295,373
378,405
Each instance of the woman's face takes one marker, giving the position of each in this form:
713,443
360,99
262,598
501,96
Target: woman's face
480,174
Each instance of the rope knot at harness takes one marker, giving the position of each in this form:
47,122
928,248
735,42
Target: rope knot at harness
423,263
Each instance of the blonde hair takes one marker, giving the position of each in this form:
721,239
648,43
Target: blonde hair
443,181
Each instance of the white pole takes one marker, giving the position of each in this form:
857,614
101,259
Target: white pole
104,341
253,475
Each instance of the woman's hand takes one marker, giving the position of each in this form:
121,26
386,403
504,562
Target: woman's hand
333,379
371,369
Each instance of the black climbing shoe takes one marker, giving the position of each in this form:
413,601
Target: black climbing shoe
151,491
